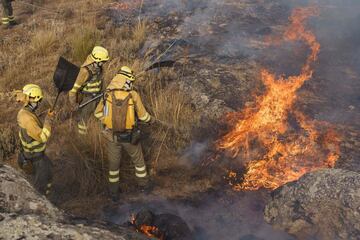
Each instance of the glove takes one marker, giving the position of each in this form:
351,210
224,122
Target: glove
50,115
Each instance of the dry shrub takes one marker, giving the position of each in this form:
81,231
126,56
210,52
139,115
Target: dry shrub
42,42
84,164
176,118
128,41
32,6
8,141
139,34
82,42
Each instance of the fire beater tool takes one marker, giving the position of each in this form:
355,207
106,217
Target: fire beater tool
64,77
160,64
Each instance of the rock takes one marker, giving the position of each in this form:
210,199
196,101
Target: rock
25,214
18,196
39,227
168,226
322,205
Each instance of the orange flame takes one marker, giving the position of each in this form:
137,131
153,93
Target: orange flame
150,231
288,153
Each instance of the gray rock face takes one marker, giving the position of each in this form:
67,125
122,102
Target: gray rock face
25,214
321,205
18,196
39,227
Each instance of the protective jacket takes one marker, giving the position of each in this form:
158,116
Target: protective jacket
136,109
33,134
88,82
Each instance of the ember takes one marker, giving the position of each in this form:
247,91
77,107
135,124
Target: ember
290,151
150,231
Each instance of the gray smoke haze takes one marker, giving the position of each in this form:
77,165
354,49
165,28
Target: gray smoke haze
339,62
233,30
215,216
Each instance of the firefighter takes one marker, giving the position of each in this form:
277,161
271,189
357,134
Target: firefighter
88,84
33,136
119,112
7,19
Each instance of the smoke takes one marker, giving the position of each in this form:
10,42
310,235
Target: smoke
231,31
339,63
194,153
221,29
209,216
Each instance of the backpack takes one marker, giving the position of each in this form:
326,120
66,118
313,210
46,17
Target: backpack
119,113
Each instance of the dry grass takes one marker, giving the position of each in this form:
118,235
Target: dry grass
127,41
42,42
83,162
82,42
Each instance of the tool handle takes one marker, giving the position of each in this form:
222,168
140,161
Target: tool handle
91,100
56,100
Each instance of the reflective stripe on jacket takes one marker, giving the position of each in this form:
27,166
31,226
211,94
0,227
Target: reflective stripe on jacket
33,134
136,108
87,82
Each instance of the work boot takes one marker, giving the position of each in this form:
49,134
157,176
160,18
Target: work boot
115,198
5,26
12,24
114,195
145,185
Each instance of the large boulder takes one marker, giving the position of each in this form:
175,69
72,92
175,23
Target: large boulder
30,227
25,214
18,196
321,205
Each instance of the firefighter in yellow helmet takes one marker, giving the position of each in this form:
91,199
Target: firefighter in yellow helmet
7,19
119,112
88,84
33,136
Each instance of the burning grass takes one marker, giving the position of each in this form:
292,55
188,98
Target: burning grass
288,151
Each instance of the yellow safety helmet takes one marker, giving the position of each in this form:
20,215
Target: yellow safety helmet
127,72
100,54
33,92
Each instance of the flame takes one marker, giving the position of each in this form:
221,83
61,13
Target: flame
288,153
150,231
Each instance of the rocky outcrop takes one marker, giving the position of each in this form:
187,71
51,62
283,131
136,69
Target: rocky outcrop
321,205
18,196
15,226
25,214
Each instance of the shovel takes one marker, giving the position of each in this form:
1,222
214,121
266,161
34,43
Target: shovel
64,77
